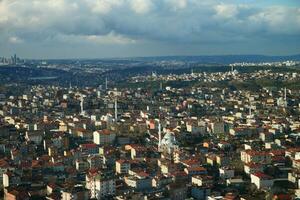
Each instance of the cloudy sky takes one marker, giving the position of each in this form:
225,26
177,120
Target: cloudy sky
121,28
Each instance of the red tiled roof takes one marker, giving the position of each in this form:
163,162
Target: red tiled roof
293,150
278,158
262,175
253,165
256,153
142,174
279,152
121,161
3,163
80,130
88,146
198,168
282,197
36,164
178,174
104,131
191,162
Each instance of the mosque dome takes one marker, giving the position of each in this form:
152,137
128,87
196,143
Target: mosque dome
169,140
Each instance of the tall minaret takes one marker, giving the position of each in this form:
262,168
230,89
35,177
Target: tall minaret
285,93
160,86
81,105
159,136
116,109
192,72
285,98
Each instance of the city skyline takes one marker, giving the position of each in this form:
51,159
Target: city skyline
149,99
122,28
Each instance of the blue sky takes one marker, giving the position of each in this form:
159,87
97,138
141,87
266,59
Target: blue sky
280,2
268,2
124,28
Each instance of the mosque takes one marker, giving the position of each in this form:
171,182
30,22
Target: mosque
168,143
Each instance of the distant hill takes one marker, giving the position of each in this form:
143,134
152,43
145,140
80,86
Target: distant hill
211,59
222,59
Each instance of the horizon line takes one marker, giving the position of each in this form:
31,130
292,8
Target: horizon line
159,56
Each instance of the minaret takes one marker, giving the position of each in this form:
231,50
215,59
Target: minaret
232,68
116,109
285,93
81,105
192,72
160,86
159,136
285,98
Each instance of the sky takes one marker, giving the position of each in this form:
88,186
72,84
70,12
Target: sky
131,28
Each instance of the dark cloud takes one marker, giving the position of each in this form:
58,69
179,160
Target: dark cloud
143,22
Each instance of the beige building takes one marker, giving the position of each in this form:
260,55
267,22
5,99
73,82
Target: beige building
103,137
122,166
262,180
101,185
253,156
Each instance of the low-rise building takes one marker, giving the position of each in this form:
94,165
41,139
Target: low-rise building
103,137
262,180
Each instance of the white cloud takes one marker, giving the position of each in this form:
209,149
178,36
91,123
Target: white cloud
110,38
4,14
141,6
15,40
103,6
226,10
177,4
